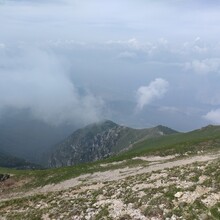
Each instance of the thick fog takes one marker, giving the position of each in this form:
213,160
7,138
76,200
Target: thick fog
37,80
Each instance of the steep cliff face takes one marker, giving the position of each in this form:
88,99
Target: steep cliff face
88,144
98,141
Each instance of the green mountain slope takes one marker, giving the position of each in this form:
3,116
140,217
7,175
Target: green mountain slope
204,138
140,183
100,140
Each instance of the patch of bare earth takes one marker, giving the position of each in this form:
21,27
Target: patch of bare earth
174,188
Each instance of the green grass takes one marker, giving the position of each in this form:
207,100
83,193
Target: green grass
103,213
69,203
203,139
215,211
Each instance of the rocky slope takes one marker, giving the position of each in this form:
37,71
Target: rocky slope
98,141
150,188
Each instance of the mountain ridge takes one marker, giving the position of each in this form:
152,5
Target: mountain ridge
98,141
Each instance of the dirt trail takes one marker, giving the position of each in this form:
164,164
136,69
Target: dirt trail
114,175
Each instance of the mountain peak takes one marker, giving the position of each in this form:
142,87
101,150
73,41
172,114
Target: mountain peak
166,130
100,140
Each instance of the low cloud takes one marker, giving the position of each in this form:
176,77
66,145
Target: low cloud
128,44
213,116
37,80
155,90
2,46
127,55
204,66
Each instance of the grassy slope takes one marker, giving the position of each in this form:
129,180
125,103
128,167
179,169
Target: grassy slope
124,138
208,137
179,143
136,135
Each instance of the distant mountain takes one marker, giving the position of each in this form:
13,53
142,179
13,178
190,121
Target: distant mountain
98,141
28,138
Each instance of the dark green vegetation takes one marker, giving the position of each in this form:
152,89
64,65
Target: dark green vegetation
100,140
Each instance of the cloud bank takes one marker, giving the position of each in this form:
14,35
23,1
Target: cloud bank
213,116
155,90
79,52
210,65
37,80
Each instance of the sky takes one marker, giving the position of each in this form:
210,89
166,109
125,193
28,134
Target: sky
137,62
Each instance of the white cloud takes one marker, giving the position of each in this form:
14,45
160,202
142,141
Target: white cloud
132,43
2,46
77,31
155,90
127,55
200,49
213,116
204,66
163,42
35,79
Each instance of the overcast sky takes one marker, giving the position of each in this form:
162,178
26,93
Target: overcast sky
138,62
